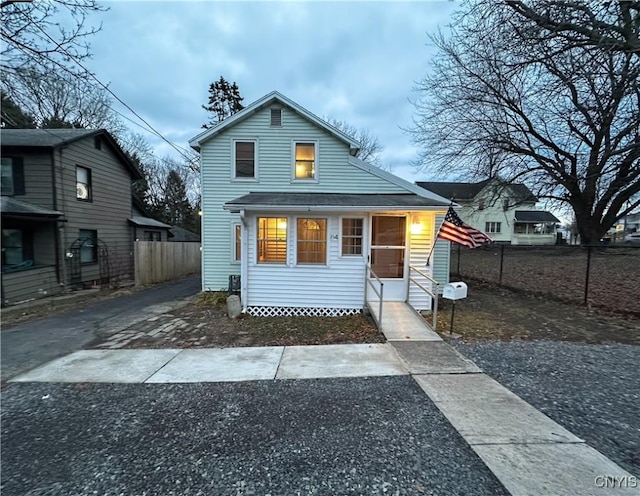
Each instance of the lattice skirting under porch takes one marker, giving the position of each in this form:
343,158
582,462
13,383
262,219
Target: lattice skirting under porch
301,312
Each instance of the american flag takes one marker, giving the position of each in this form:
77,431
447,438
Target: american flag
453,229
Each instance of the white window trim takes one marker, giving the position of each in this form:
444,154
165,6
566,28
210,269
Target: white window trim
348,255
233,243
316,147
295,240
256,169
493,224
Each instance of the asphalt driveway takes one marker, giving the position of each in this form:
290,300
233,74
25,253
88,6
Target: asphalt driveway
33,343
331,436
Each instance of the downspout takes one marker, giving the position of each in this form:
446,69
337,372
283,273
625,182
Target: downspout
244,262
60,235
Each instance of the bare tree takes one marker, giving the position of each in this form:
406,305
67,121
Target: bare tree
42,32
56,98
546,93
370,147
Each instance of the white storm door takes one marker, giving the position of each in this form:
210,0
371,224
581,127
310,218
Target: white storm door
387,254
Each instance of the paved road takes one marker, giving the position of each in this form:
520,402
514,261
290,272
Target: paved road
296,437
33,343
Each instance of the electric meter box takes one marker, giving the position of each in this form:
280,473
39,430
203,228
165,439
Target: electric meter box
454,290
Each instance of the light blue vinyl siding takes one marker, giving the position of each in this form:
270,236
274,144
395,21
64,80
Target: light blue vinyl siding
441,256
274,166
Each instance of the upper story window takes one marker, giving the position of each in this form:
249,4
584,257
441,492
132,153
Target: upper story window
312,241
505,204
352,230
244,160
481,204
276,117
83,184
12,176
272,240
97,143
305,161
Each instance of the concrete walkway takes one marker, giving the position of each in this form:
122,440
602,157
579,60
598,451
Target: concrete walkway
528,452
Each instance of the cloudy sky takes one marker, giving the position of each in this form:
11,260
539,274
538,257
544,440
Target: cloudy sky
357,62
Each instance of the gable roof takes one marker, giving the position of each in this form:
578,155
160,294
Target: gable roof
55,138
265,101
468,191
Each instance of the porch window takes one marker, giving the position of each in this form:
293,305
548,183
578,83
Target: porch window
245,160
272,240
305,161
237,242
14,247
88,246
492,227
352,237
312,241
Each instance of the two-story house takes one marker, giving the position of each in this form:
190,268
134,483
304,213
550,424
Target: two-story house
67,218
506,212
289,208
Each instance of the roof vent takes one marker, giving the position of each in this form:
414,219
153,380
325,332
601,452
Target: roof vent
276,117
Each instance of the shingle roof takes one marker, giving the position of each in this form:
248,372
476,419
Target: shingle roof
178,234
468,191
16,208
340,200
47,138
535,216
148,222
53,138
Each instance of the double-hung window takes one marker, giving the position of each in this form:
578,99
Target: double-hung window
12,176
312,241
305,161
244,152
83,183
272,240
88,246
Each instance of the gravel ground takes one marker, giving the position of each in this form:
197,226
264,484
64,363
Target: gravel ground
591,390
340,436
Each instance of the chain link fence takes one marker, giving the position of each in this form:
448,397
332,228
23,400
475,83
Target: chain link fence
607,277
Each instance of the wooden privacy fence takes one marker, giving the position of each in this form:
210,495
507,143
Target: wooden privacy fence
157,261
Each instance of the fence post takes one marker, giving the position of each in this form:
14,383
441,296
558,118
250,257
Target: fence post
501,263
586,282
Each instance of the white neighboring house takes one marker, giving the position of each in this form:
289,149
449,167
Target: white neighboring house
288,208
506,212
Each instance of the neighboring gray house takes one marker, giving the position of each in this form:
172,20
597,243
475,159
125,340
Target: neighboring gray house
506,212
66,210
288,207
145,228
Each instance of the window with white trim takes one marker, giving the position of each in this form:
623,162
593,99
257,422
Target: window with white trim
244,159
492,227
237,243
305,167
311,238
352,229
272,240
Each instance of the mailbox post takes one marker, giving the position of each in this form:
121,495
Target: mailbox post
454,291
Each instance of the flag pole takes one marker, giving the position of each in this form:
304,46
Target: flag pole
435,238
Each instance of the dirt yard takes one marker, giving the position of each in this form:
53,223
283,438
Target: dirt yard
492,312
560,273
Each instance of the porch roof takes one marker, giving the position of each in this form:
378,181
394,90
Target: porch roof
20,209
535,216
332,201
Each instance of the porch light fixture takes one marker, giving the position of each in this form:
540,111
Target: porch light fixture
416,228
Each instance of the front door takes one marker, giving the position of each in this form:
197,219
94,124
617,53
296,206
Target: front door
387,254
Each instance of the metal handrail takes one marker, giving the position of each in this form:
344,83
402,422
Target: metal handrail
369,270
433,294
